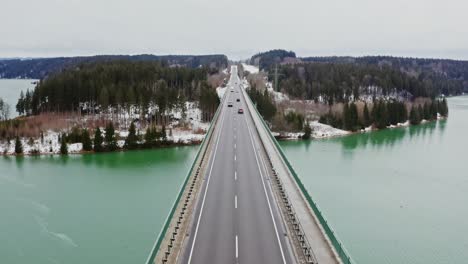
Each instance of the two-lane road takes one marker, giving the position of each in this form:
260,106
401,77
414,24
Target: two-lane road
236,219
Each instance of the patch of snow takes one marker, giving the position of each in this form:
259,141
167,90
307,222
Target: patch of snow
75,147
277,96
220,91
250,68
320,130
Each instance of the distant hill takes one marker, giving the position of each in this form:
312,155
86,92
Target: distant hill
451,70
42,67
265,60
436,76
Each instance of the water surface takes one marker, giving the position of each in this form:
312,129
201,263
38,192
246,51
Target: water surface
10,90
397,195
101,208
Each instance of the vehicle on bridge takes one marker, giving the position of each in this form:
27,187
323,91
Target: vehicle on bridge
229,104
240,111
238,100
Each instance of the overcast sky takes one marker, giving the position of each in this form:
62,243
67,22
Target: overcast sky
418,28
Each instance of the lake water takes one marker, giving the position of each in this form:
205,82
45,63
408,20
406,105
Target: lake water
397,195
102,208
10,90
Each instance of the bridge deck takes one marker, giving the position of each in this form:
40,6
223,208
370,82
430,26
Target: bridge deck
234,214
319,243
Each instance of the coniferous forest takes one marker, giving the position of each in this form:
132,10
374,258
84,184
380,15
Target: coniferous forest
333,83
383,113
120,83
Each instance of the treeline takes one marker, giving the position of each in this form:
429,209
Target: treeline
450,77
267,60
264,103
381,114
41,68
105,141
96,86
334,83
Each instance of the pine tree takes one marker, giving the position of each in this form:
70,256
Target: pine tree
346,117
380,114
366,116
18,146
86,140
132,140
20,104
420,113
111,142
443,109
426,111
414,116
98,140
354,117
163,133
433,110
63,146
150,136
307,131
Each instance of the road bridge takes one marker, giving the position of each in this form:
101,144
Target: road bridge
242,202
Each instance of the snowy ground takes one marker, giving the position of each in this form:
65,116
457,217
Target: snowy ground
220,91
319,130
250,68
193,131
277,96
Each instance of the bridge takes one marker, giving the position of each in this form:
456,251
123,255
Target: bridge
242,202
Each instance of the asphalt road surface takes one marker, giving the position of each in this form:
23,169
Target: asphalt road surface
236,217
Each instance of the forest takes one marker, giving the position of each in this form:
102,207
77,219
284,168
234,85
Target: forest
266,60
337,82
437,71
382,113
42,67
307,77
92,87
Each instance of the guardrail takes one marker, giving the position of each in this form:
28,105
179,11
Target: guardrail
339,248
162,233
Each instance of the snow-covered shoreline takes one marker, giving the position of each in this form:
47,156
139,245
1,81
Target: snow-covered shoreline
323,131
50,144
184,129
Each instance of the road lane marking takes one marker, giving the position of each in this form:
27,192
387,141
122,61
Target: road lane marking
237,247
235,175
235,145
206,189
265,191
235,201
235,157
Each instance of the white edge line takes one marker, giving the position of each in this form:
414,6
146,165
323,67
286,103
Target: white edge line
237,247
266,194
206,190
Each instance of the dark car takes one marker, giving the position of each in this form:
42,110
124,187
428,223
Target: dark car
240,111
229,104
238,100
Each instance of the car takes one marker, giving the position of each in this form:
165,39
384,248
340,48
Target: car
238,100
229,104
240,111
